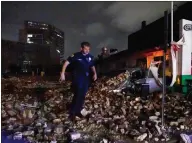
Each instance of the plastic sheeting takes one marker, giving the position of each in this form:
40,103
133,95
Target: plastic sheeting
174,47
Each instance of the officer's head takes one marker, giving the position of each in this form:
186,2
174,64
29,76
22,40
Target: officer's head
85,47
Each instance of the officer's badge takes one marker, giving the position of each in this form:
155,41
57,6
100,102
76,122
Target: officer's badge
88,59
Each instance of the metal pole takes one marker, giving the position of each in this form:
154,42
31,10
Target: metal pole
172,21
172,10
164,62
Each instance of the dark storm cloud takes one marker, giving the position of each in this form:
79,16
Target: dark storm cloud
97,7
100,23
95,29
127,16
81,21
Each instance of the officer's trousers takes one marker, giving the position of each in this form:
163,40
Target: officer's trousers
80,85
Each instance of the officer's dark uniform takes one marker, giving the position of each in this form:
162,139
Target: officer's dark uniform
81,65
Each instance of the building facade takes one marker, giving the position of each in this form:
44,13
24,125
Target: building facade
44,34
143,45
26,56
152,35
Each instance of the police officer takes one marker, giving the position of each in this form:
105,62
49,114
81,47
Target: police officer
82,63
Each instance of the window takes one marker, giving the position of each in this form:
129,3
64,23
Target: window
27,62
58,51
28,40
43,28
29,35
47,42
45,24
59,35
38,36
32,23
160,58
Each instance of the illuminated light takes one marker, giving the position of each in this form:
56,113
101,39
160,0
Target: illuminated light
59,35
43,28
178,80
29,42
29,35
157,48
45,24
47,42
58,51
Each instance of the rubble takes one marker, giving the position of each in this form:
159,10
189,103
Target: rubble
38,111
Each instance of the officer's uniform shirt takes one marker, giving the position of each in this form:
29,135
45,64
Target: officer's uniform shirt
81,63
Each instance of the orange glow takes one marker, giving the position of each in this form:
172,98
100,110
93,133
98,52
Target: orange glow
151,55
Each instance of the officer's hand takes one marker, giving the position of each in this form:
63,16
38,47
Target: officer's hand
62,77
95,77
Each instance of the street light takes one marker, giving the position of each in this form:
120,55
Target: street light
58,51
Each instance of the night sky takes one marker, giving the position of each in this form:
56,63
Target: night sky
100,23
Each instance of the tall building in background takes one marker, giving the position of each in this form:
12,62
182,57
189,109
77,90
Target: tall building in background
45,34
26,55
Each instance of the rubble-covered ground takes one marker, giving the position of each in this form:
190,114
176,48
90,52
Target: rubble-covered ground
37,111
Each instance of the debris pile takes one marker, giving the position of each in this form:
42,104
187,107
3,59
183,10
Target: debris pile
38,111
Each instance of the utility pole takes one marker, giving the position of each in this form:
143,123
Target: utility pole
172,9
164,62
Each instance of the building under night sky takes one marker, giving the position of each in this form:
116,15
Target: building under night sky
26,56
45,34
144,41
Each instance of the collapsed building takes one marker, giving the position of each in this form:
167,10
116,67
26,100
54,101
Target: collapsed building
143,49
108,117
38,112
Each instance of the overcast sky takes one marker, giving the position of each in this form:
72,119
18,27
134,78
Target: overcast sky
100,23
